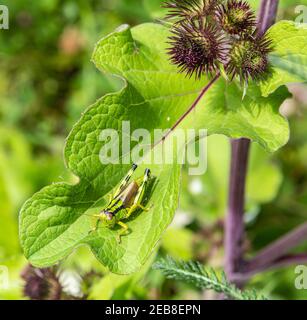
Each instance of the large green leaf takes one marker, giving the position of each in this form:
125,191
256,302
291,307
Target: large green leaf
56,219
289,59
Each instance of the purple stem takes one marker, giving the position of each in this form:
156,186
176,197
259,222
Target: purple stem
234,224
290,259
267,15
284,261
276,252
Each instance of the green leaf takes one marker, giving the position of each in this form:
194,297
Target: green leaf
222,110
289,59
56,219
61,222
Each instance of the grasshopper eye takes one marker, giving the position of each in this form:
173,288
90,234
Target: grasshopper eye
109,215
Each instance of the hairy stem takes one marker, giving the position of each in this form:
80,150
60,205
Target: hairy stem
234,224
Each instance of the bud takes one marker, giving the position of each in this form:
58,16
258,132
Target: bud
236,17
248,58
210,37
197,48
190,9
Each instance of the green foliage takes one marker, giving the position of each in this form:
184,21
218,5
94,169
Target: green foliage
222,110
114,286
291,3
290,42
283,4
56,219
194,273
292,65
182,248
154,8
210,200
43,91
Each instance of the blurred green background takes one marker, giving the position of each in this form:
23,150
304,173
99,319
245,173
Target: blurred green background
47,81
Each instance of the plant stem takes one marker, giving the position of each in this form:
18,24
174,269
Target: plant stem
192,107
284,261
287,260
267,15
275,252
234,224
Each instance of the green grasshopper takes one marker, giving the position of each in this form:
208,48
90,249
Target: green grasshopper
127,199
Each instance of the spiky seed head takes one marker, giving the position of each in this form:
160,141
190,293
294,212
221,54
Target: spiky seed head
248,58
208,35
236,17
197,48
190,9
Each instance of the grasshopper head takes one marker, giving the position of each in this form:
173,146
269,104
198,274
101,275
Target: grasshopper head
107,219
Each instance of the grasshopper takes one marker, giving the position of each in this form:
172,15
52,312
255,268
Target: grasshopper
126,200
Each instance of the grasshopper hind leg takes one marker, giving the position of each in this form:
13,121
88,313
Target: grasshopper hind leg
123,184
137,203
